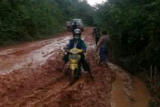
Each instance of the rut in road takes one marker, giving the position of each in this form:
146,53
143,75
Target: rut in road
44,86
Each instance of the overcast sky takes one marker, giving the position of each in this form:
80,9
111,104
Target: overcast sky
93,2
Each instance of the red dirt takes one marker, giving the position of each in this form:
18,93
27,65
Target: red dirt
44,86
29,77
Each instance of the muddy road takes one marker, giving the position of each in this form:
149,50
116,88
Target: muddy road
29,78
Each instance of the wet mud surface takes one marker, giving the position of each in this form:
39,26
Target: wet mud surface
29,77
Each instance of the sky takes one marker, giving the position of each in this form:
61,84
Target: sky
93,2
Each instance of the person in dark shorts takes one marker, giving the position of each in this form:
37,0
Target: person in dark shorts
68,23
96,33
103,48
74,26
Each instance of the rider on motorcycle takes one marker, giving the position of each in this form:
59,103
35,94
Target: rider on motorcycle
77,42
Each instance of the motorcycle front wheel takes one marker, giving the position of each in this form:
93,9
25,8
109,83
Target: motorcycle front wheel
72,77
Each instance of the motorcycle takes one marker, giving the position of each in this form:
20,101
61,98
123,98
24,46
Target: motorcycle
74,64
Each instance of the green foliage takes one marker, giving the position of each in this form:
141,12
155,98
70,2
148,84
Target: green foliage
84,11
134,27
152,104
23,20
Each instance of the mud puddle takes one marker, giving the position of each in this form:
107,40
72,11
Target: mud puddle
128,91
37,83
37,55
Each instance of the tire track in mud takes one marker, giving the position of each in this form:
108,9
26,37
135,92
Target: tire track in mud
44,86
28,53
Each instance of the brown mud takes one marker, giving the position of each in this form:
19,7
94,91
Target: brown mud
29,78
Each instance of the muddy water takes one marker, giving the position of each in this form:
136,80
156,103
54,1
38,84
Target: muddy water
119,98
35,81
140,94
128,91
44,86
30,56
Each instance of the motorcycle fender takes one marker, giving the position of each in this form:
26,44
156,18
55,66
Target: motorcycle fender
73,66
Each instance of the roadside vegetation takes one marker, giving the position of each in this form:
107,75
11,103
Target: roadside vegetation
134,27
26,20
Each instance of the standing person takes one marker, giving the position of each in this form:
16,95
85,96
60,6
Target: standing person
96,33
74,26
103,48
68,26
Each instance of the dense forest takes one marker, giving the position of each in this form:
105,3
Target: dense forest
133,25
25,20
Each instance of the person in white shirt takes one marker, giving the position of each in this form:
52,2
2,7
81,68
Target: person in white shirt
68,26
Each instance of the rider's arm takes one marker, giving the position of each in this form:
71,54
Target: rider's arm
68,45
83,46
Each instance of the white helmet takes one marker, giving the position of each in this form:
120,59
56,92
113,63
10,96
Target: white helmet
77,31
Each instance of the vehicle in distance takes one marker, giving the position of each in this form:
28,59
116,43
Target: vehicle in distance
79,23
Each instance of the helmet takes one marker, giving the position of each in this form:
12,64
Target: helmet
77,32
